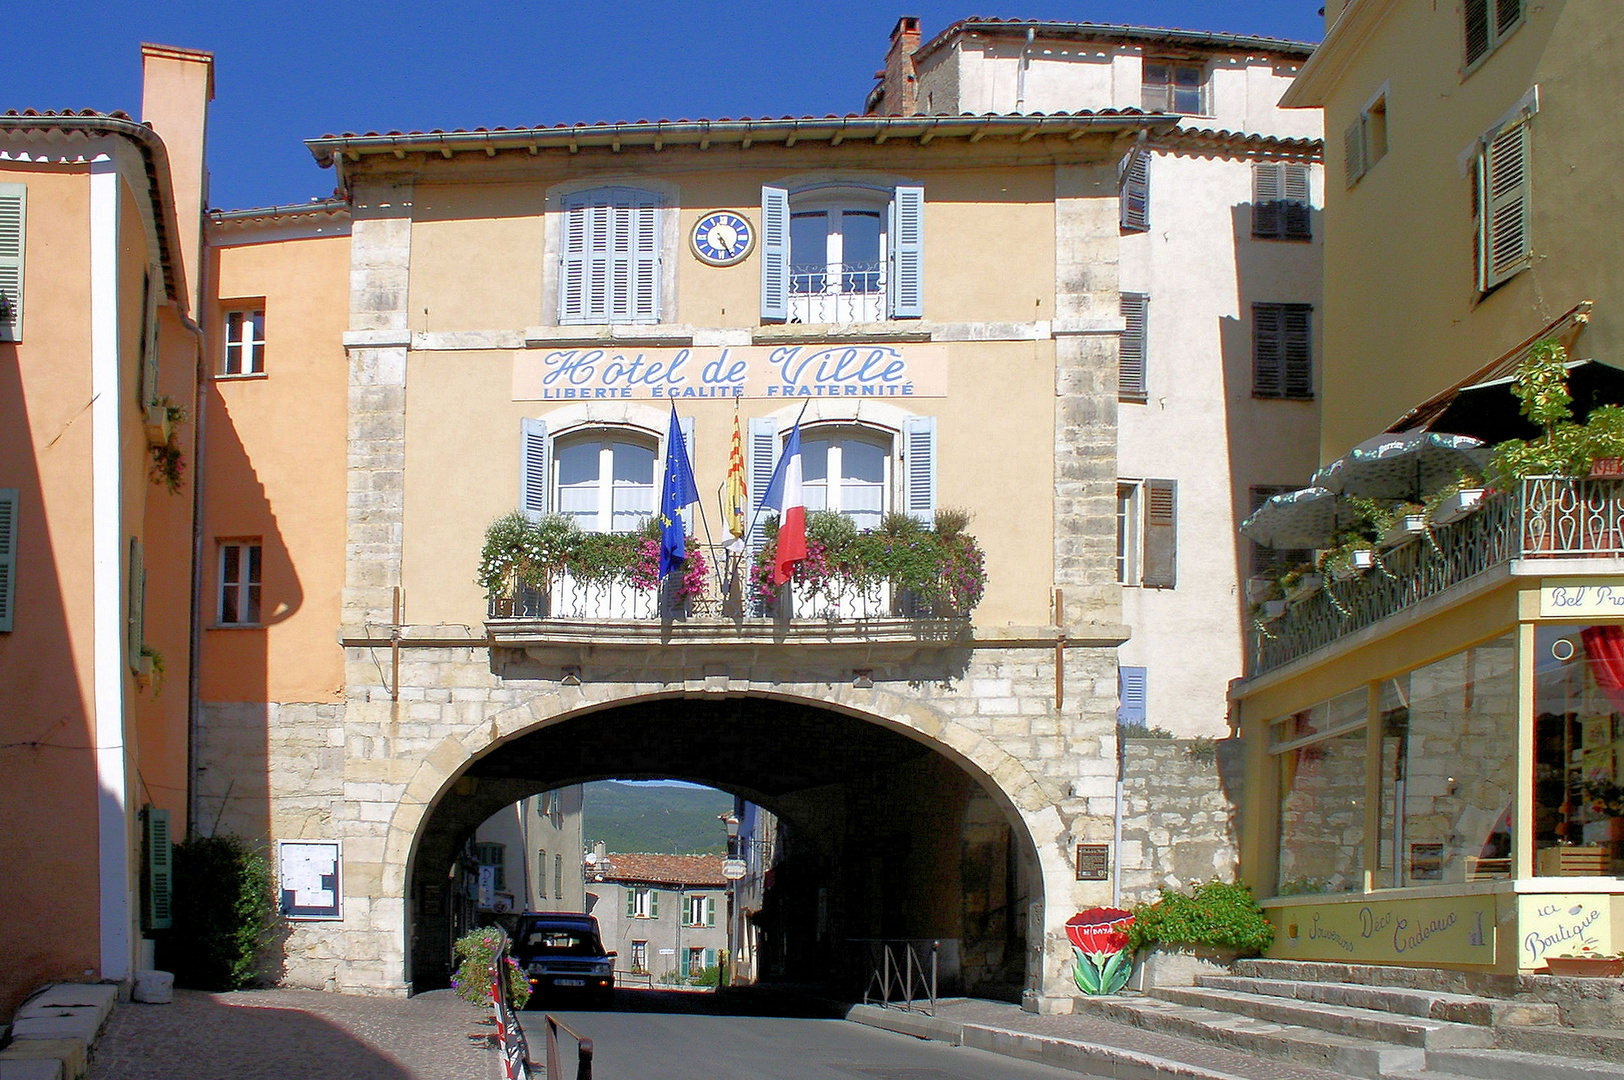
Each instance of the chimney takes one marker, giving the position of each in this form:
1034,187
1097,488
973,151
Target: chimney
898,92
176,88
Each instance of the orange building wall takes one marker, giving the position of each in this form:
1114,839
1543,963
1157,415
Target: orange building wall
47,765
276,453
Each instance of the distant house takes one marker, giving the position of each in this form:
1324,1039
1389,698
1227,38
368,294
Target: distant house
664,914
533,851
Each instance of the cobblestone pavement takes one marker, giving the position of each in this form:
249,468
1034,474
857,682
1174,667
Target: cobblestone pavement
296,1035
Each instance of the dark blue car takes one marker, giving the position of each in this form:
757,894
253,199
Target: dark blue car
563,957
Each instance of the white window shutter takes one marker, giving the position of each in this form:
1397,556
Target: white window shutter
1353,151
8,556
908,253
919,467
13,230
763,459
1505,187
534,468
774,254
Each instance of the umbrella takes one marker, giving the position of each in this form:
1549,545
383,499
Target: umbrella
1404,465
1308,518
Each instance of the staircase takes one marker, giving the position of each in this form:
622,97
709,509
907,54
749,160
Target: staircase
1381,1022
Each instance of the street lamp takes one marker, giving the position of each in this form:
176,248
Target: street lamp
731,820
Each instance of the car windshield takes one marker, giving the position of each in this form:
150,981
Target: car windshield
562,942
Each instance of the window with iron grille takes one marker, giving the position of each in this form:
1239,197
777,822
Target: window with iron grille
1282,351
1487,24
1280,207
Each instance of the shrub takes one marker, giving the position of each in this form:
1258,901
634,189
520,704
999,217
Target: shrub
1215,913
225,915
472,980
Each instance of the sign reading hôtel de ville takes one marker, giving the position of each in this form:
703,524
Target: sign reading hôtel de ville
749,371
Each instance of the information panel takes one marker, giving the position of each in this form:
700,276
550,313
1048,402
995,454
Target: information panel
308,878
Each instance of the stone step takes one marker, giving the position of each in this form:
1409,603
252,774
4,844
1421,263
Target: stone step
1515,1065
1429,979
1359,1023
1284,1042
1599,1044
1435,1005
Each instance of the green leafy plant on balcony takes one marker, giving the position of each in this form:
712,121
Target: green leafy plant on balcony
168,465
939,566
521,554
1564,448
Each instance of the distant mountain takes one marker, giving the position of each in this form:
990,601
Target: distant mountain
661,819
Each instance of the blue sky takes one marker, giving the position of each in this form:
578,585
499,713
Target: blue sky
290,71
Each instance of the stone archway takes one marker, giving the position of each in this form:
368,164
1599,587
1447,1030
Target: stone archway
576,734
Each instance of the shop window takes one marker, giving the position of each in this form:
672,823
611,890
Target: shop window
1578,751
842,255
245,342
1320,755
609,263
239,601
1448,769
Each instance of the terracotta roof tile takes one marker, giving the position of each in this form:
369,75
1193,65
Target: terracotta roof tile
667,869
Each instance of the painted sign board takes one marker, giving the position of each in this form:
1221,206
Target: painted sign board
308,878
1581,598
790,372
1454,929
1561,925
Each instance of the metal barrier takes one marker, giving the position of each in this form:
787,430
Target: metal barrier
635,978
583,1061
892,975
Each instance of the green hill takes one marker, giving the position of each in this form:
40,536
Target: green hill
656,818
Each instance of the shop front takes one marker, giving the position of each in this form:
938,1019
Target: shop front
1442,788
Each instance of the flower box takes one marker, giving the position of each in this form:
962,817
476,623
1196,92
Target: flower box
1358,562
1457,506
158,425
1180,965
1273,609
1259,589
1306,586
1585,967
1403,531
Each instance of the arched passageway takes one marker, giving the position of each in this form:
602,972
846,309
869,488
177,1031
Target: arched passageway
890,836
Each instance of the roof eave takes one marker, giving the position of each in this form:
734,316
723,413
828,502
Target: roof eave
1346,38
1117,32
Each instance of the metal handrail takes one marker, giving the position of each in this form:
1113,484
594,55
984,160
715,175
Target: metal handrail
890,975
583,1061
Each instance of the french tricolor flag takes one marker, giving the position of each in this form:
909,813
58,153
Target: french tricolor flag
784,495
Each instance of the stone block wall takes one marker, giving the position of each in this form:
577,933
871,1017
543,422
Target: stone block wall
1180,814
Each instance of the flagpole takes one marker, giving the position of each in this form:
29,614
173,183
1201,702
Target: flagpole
757,515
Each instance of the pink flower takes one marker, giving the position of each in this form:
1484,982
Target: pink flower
1099,931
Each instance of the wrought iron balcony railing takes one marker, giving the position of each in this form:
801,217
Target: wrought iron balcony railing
1546,517
848,293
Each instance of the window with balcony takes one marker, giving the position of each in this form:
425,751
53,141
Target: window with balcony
239,583
1171,86
841,254
1487,23
610,257
245,342
605,482
847,470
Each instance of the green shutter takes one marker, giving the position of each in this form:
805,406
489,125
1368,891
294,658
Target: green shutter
156,892
653,904
13,233
710,911
710,958
631,903
8,555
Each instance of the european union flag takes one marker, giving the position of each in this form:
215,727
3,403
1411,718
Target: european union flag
679,491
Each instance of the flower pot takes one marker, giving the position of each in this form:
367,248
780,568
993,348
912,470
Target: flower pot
1404,530
1259,589
1585,967
158,425
1457,506
1179,965
1273,609
1306,586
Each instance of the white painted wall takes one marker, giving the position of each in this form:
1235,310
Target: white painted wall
525,831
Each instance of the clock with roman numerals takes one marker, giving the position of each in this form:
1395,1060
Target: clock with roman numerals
723,238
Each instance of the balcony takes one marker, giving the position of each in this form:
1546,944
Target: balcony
839,294
1543,518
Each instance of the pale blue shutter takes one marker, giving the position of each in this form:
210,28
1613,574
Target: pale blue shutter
919,468
710,958
1131,689
763,452
8,556
908,253
13,221
534,468
644,302
774,254
579,238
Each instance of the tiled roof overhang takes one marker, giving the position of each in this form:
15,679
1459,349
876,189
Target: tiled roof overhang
1116,32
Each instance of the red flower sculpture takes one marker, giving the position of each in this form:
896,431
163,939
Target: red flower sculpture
1100,938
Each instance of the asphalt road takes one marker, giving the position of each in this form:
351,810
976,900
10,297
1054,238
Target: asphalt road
704,1037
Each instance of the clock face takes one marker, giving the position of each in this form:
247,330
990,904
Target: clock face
723,238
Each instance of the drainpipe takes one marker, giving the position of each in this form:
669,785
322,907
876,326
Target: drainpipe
1020,71
1116,831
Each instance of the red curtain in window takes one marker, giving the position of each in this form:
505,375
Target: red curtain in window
1604,648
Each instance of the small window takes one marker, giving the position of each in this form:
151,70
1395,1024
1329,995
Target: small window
847,470
642,903
1500,192
609,262
1364,143
494,856
1135,338
1172,87
1147,533
1131,696
696,963
1129,527
1487,24
1280,207
605,481
1282,357
639,956
240,583
245,342
541,873
1268,562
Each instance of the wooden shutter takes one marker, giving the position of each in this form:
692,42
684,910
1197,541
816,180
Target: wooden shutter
8,556
1135,194
653,904
1131,358
135,592
1268,362
710,911
158,880
1131,694
13,232
919,467
1298,223
908,253
1297,350
1267,191
631,903
1161,534
1477,29
763,459
774,254
1353,151
1504,190
535,468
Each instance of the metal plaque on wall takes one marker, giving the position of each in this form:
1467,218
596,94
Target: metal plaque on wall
1093,862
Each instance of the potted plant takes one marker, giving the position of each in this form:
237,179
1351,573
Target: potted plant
1300,582
1201,932
1453,502
1586,963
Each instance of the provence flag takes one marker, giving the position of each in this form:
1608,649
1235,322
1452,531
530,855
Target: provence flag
679,491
